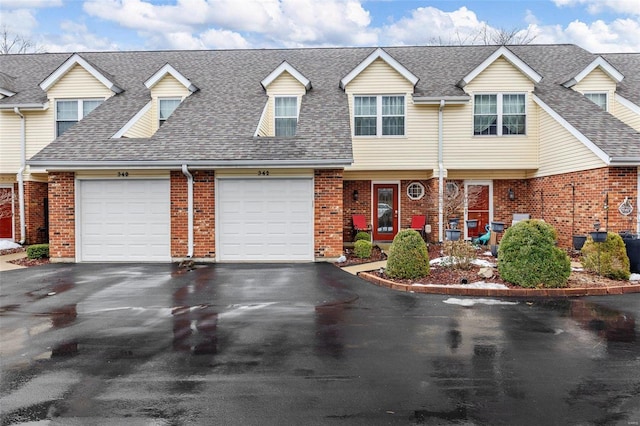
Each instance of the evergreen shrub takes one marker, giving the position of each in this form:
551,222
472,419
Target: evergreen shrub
38,251
365,236
611,262
408,256
362,249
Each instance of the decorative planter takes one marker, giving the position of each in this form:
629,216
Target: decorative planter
472,223
494,250
452,234
497,226
578,241
453,222
598,236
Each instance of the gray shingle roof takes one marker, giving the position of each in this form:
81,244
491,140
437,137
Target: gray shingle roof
215,125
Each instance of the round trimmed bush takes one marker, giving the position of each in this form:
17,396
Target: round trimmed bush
528,256
408,256
362,249
364,236
611,262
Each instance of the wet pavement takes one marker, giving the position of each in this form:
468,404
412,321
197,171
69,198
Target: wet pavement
303,344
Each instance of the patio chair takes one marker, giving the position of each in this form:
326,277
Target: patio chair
359,222
417,223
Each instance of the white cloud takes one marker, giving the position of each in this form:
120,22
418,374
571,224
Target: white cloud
631,7
29,4
20,21
278,22
76,37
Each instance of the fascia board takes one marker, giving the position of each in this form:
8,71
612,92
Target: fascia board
285,66
510,57
168,69
262,118
605,66
133,121
627,103
379,54
575,132
76,59
6,92
625,161
27,106
435,100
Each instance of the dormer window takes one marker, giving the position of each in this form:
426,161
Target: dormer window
69,112
286,115
166,108
598,98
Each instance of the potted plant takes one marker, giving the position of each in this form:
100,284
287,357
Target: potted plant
497,226
472,223
452,234
578,241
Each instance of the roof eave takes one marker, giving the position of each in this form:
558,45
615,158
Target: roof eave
26,106
436,100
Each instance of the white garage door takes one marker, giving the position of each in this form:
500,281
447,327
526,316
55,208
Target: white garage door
265,219
125,221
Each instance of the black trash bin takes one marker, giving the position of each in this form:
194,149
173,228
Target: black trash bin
632,243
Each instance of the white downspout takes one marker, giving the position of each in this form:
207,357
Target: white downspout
440,174
185,171
20,177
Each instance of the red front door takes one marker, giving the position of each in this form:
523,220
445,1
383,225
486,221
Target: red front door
385,211
6,213
478,208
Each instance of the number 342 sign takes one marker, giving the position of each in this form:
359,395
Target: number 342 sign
625,208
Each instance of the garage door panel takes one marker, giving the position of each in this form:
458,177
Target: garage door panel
126,220
265,220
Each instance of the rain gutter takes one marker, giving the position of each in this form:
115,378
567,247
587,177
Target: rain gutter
189,176
20,177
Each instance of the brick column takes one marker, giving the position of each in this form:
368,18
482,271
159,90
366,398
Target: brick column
34,195
204,219
328,215
62,217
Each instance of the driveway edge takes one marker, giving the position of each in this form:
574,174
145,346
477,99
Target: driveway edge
518,292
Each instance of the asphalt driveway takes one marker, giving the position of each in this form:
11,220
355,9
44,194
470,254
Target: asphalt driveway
303,344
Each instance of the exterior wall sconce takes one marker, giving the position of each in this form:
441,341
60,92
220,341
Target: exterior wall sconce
355,195
511,194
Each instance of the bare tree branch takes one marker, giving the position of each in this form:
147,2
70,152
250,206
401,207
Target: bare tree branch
6,198
14,43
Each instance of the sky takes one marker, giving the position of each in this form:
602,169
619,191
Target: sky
599,26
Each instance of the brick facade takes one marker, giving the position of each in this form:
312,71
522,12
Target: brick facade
35,194
62,226
328,215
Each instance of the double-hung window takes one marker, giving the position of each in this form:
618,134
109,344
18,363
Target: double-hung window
286,115
380,115
69,112
499,114
166,107
598,98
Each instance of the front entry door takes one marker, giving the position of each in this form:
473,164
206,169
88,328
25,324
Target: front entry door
385,211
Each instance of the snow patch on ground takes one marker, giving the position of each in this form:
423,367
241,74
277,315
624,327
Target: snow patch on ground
449,260
634,277
8,245
472,302
478,284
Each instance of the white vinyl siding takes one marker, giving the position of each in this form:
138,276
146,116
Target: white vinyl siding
9,142
124,220
627,116
264,219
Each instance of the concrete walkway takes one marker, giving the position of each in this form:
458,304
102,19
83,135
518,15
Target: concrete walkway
365,267
4,261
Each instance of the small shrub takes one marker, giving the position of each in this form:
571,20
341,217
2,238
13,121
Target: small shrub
459,254
611,262
528,256
408,256
364,236
38,251
362,249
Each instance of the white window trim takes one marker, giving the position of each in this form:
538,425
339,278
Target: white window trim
500,113
599,92
298,102
378,115
80,103
419,184
167,98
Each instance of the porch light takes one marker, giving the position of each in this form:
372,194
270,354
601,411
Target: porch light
511,194
355,195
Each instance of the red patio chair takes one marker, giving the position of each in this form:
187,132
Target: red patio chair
359,224
418,222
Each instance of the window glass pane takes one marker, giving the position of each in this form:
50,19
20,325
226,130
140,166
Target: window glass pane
67,110
513,104
393,105
88,106
167,106
513,118
364,105
485,125
286,107
485,104
599,99
365,126
513,124
63,126
393,126
286,126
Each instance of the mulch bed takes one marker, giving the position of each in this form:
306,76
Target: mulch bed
443,275
24,261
